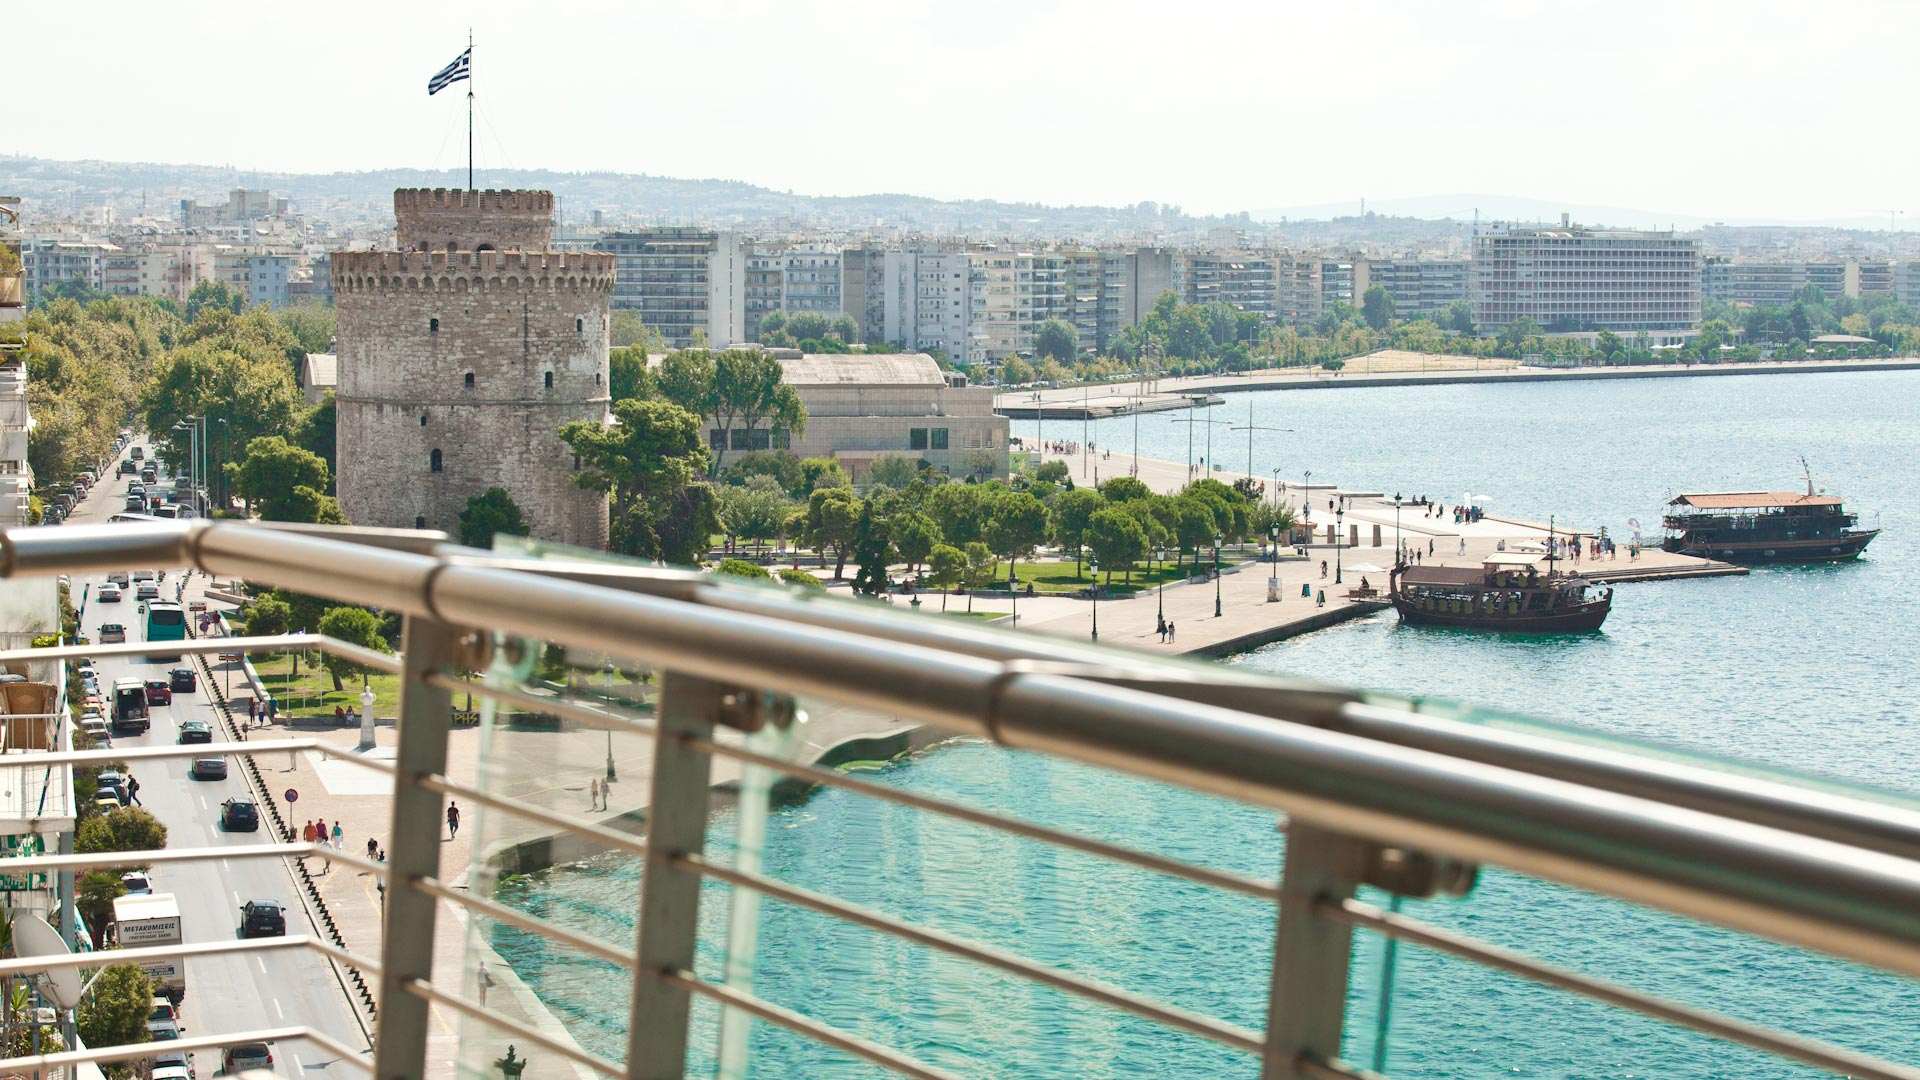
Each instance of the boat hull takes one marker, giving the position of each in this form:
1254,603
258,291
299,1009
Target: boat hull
1747,552
1572,620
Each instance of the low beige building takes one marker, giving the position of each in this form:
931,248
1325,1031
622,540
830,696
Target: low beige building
865,406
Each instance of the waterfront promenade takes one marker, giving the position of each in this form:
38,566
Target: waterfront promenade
1113,399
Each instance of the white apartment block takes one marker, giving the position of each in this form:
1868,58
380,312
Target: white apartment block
1774,283
1571,278
1421,288
1010,293
682,280
51,262
16,426
924,300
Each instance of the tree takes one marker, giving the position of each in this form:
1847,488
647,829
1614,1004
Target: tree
94,895
1071,512
311,325
269,473
747,391
960,510
116,1009
355,626
646,462
782,466
821,472
234,370
685,378
129,828
214,294
755,510
628,375
893,470
1057,340
872,549
1052,472
627,330
1121,489
833,515
1117,540
1459,317
1017,527
315,433
980,567
741,568
491,512
269,616
794,576
1376,306
946,567
1014,371
914,536
1194,526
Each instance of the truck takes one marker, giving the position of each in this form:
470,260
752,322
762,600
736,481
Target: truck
130,707
150,920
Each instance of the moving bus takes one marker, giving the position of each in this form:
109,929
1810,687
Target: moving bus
129,706
166,621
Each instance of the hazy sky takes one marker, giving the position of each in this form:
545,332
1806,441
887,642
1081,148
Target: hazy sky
1739,109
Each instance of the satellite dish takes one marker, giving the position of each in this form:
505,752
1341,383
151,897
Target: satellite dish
33,937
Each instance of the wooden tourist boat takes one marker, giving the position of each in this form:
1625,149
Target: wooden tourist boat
1509,591
1765,526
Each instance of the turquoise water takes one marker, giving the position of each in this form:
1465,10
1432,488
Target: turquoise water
1805,668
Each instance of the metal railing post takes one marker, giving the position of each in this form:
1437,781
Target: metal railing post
1307,1000
413,846
669,893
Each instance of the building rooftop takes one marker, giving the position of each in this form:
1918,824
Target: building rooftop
321,370
862,369
1745,500
1843,339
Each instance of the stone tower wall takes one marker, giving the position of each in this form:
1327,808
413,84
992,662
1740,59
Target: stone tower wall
508,318
455,219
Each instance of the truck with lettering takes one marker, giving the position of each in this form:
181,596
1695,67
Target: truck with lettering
150,920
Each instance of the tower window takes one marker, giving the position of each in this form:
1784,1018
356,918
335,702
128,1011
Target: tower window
423,419
579,326
433,326
420,522
469,380
596,378
433,460
549,380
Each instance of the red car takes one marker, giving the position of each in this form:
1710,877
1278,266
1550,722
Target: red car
158,692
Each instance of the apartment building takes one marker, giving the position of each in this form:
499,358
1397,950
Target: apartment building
682,280
50,262
1130,283
863,290
810,281
1010,293
1421,288
13,276
1244,279
925,299
1572,278
242,205
16,426
766,264
1773,283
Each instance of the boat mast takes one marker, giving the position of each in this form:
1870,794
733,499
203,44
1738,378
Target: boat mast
1807,472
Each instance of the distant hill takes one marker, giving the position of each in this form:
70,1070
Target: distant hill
1515,208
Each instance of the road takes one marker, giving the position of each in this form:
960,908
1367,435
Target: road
224,993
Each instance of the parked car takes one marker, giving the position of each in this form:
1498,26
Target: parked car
109,594
163,1030
105,802
246,1056
97,729
118,577
112,632
182,680
111,781
208,768
192,731
159,692
171,1065
262,918
240,815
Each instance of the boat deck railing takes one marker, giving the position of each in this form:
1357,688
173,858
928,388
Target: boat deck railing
1374,794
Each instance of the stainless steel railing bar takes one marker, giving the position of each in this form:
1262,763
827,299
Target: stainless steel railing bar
1821,1055
366,657
1112,996
611,838
491,1017
1828,814
104,958
621,958
106,859
883,1056
132,1051
569,709
163,752
1219,879
1824,896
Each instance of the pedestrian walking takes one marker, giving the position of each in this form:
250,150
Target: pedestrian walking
453,820
133,790
1169,630
320,831
253,710
484,979
306,832
373,847
339,834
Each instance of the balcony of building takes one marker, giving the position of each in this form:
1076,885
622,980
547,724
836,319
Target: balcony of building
1381,818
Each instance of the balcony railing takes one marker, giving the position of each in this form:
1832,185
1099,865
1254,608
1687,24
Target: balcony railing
1374,793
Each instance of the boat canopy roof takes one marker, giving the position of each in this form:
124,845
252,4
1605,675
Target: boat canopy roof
1443,575
1509,560
1752,500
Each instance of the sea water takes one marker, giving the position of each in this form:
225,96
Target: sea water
1806,668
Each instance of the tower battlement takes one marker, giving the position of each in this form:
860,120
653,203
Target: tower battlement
362,271
443,219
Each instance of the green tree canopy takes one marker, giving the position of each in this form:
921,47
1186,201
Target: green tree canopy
1014,371
1377,306
116,1009
748,391
647,463
627,374
129,828
946,567
1117,540
893,470
833,516
741,568
756,510
1056,339
914,536
355,626
961,511
1016,527
1071,512
269,616
491,512
1120,489
270,473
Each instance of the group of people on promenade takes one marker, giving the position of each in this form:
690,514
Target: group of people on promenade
1165,629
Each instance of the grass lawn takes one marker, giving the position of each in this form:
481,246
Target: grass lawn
312,694
1058,577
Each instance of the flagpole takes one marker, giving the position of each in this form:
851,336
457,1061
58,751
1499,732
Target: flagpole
469,108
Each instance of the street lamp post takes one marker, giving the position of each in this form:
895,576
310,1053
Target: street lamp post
221,480
1398,547
1339,537
1039,430
1306,497
1250,427
1093,567
1160,612
611,777
1217,541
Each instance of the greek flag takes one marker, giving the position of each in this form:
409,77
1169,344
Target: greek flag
461,68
